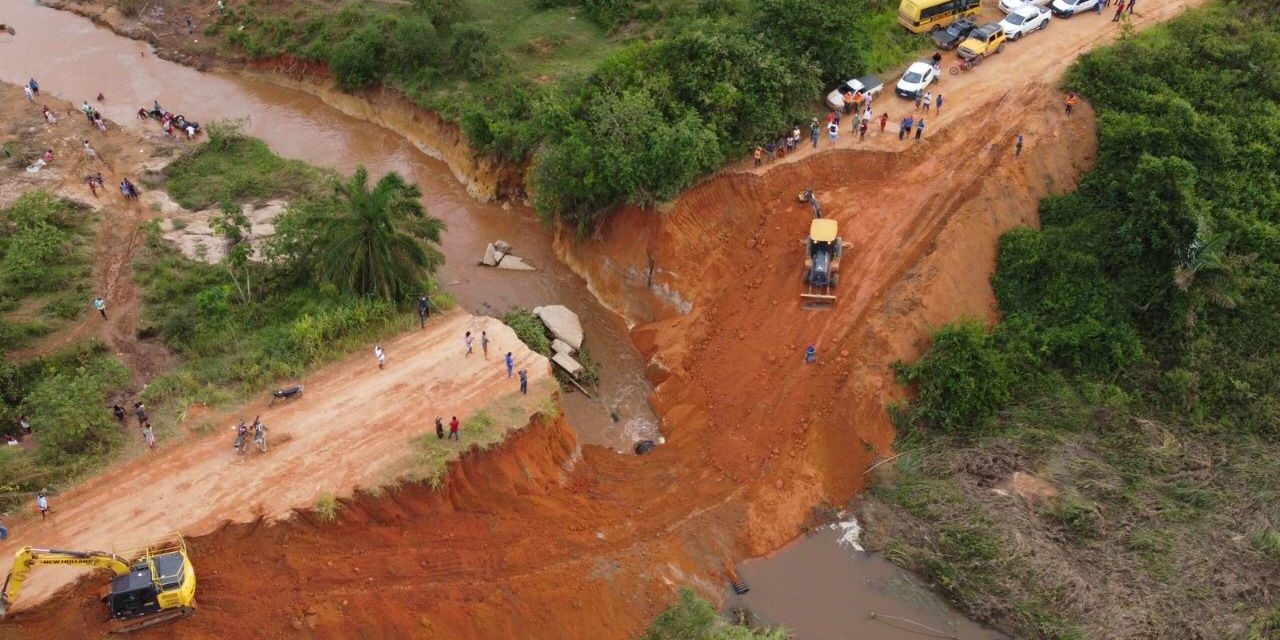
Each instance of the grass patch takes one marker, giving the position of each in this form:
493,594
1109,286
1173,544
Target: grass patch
691,617
483,430
231,167
327,507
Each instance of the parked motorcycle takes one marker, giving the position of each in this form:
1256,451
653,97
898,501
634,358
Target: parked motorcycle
286,393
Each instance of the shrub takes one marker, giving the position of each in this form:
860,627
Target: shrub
327,507
472,53
693,618
962,381
68,409
529,329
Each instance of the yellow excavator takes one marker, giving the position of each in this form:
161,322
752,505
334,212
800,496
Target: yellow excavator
153,583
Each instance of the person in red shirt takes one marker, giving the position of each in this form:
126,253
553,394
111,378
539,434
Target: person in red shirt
884,119
453,429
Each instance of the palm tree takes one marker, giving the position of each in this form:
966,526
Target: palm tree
380,242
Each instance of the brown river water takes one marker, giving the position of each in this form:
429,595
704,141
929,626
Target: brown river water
74,59
818,587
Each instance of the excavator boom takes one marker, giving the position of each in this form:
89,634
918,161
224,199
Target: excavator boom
28,557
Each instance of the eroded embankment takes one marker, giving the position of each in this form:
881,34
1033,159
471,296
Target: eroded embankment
756,438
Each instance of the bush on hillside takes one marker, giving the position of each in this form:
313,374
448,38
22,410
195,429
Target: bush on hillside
962,381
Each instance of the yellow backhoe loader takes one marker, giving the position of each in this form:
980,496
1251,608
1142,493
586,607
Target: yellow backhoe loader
822,251
152,584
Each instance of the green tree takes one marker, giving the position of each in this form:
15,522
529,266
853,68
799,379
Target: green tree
378,242
828,33
962,381
233,225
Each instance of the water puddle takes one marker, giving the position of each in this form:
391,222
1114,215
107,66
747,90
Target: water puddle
825,587
75,60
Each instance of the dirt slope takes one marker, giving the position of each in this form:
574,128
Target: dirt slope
531,541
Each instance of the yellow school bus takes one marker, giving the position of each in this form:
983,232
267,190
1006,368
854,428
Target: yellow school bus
919,16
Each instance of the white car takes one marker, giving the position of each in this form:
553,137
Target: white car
914,80
866,85
1068,8
1023,20
1009,5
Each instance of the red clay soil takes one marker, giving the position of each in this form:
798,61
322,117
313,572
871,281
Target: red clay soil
533,541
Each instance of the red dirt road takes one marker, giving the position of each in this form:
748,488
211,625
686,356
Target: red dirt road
531,541
352,428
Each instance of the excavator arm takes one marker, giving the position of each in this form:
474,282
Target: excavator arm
29,557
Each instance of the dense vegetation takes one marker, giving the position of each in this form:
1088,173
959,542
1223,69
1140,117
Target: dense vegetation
65,398
44,266
693,618
345,263
629,106
1140,326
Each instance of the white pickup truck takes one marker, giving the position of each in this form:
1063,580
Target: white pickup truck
868,85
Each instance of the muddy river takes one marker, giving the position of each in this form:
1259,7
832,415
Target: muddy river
825,587
73,59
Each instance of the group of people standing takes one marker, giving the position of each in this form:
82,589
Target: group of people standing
469,345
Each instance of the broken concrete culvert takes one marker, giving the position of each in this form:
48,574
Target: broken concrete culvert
498,254
562,323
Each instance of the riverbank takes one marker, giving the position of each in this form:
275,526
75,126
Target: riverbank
486,178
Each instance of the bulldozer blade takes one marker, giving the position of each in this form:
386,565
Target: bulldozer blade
818,297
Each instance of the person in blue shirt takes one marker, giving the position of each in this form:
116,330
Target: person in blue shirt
511,363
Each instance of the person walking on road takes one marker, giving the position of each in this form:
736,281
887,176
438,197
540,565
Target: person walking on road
439,428
1017,148
937,102
470,343
1131,3
149,435
511,363
810,354
42,503
453,429
862,131
424,311
927,101
1119,11
1071,101
484,344
380,355
31,96
907,124
140,411
89,152
920,128
757,155
833,132
101,306
813,133
524,382
884,120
